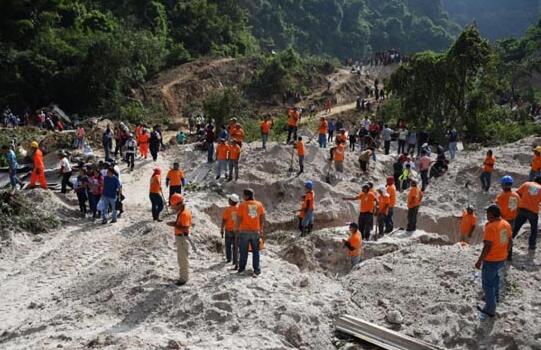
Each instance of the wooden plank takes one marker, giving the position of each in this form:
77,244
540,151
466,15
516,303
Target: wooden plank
380,336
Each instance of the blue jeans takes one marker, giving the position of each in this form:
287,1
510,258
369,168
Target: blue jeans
210,152
264,138
491,284
452,149
308,219
485,181
322,141
246,239
13,178
389,221
157,205
108,203
221,164
231,247
533,218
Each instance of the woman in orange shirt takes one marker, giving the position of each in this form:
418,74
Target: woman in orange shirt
155,194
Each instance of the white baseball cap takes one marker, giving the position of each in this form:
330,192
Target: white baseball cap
234,198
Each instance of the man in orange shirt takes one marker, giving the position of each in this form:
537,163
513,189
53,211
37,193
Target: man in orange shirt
306,214
38,172
265,130
497,241
415,196
488,167
536,164
528,210
292,120
391,190
251,218
322,130
229,219
338,155
342,136
238,134
155,194
367,202
222,158
182,227
175,180
354,244
384,201
508,200
299,146
234,157
468,221
143,143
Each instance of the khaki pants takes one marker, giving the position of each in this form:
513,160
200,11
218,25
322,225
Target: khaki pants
182,256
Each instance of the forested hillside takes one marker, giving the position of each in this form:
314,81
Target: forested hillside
351,28
496,19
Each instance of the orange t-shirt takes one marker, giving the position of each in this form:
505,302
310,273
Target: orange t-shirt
308,201
467,222
229,216
391,190
299,146
155,184
237,134
38,160
184,218
356,243
175,177
508,204
265,126
143,138
384,202
530,196
367,202
536,163
323,127
222,151
488,165
249,213
231,128
415,196
341,138
292,119
234,152
339,152
499,232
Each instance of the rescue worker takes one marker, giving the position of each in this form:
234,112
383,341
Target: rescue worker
266,125
354,244
131,148
415,196
367,204
182,226
342,136
497,242
229,218
13,167
143,143
391,190
299,146
65,171
38,172
292,120
535,169
306,214
175,180
528,210
468,222
338,156
155,194
234,157
384,201
488,167
222,155
322,132
251,218
508,200
238,134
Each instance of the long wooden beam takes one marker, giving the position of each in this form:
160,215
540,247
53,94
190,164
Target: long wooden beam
380,336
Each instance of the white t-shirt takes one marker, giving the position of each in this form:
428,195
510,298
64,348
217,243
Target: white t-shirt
65,165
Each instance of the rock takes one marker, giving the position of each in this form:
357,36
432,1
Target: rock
383,302
304,283
395,317
174,345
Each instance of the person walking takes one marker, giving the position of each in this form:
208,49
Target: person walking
508,200
155,143
234,158
209,143
13,167
391,190
535,169
182,226
107,142
299,146
384,201
143,143
387,138
131,148
528,210
251,218
266,125
95,190
65,171
222,158
402,138
453,142
412,142
488,168
155,194
306,214
323,130
353,244
497,242
424,168
81,189
38,172
229,218
415,196
175,180
367,204
111,190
